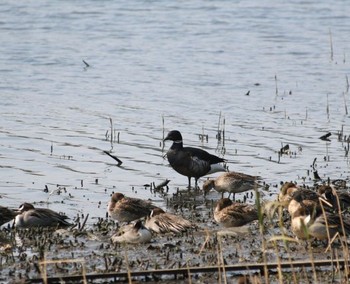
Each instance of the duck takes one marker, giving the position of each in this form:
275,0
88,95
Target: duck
189,161
30,216
332,196
286,192
160,222
132,233
232,182
127,209
308,199
327,224
7,214
300,222
234,214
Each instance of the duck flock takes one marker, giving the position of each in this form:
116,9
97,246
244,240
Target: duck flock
318,213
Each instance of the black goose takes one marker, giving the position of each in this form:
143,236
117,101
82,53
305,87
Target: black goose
189,161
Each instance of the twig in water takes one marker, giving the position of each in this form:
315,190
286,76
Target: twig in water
111,122
113,157
316,175
276,85
327,107
218,135
84,222
331,42
86,64
346,107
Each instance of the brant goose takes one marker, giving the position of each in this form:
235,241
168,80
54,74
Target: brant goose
189,161
39,217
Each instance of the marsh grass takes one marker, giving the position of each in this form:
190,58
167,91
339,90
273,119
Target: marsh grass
43,267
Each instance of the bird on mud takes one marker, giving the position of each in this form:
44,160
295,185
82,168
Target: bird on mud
127,209
160,221
340,199
189,161
286,192
319,224
132,233
326,225
7,214
231,182
234,214
39,217
308,199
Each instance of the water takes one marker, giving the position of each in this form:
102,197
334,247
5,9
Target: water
189,63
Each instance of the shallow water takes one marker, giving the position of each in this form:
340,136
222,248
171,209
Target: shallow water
190,64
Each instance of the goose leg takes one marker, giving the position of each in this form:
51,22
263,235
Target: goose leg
196,184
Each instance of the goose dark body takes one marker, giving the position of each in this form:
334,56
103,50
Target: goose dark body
189,161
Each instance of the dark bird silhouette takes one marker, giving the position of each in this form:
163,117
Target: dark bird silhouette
7,214
189,161
335,197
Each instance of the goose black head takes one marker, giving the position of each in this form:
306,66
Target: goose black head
174,135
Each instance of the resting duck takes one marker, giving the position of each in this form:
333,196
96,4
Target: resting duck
326,225
309,200
160,221
189,161
232,182
133,234
234,214
127,209
332,196
299,223
39,217
7,214
320,224
286,192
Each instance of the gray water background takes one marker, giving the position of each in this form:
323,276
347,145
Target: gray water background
189,63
